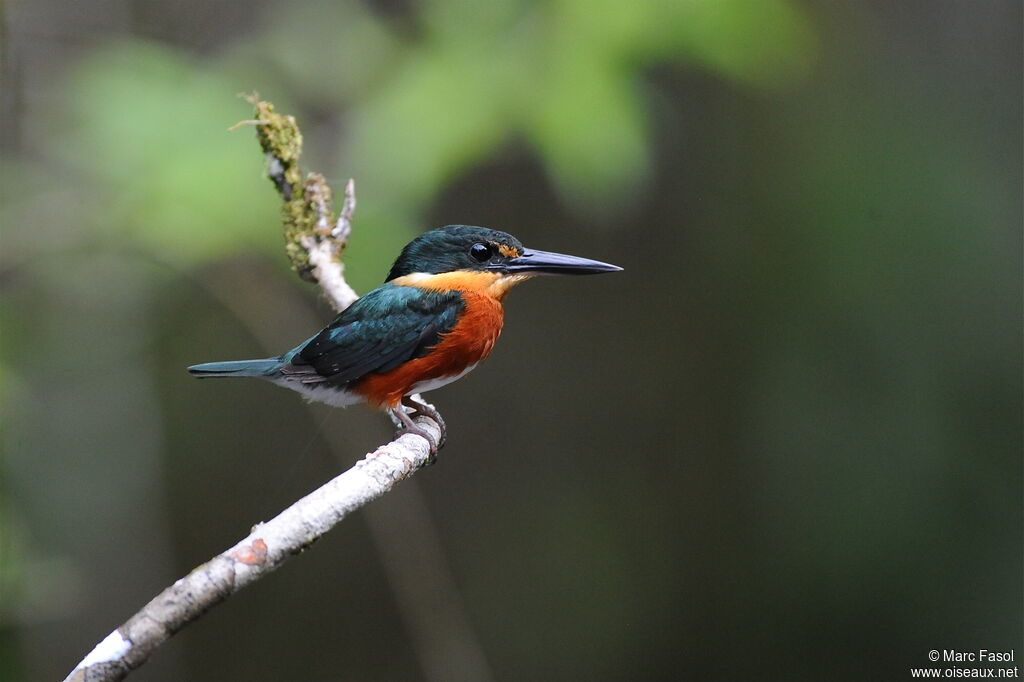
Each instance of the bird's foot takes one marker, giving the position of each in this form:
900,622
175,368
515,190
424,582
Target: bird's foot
419,406
400,416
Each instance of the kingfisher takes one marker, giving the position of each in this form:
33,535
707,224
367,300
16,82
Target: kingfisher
435,318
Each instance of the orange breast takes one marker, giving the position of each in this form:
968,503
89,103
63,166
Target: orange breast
469,342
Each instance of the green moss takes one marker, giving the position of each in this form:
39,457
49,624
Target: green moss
306,202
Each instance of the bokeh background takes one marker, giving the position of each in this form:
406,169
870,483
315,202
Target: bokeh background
784,444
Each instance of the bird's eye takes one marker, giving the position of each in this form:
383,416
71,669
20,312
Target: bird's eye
480,252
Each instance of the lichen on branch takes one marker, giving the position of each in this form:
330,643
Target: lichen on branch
314,240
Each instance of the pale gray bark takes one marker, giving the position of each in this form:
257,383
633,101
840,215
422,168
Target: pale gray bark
268,546
272,542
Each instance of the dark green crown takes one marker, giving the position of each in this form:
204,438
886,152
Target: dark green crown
455,247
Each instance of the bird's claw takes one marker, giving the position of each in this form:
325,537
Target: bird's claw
419,407
406,425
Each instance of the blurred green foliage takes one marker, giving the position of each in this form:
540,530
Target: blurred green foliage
143,126
139,127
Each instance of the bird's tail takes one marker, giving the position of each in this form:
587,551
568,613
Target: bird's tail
236,368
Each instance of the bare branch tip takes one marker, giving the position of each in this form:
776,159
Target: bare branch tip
348,207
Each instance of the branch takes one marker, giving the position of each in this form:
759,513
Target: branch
268,546
410,550
314,242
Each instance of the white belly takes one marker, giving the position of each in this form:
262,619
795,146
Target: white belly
320,393
341,398
431,384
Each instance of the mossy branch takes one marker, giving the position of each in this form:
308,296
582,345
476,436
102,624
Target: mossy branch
314,240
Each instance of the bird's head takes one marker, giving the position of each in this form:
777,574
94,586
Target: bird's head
479,258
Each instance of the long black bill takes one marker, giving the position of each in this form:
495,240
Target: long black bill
547,263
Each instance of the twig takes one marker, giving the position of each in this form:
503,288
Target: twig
314,243
324,246
268,546
424,589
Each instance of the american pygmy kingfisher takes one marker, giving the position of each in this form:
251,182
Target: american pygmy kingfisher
433,320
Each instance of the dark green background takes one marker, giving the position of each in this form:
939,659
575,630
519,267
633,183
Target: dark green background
784,444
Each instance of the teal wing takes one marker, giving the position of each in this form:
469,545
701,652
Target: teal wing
390,325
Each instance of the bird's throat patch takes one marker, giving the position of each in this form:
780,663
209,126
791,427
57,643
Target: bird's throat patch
493,284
